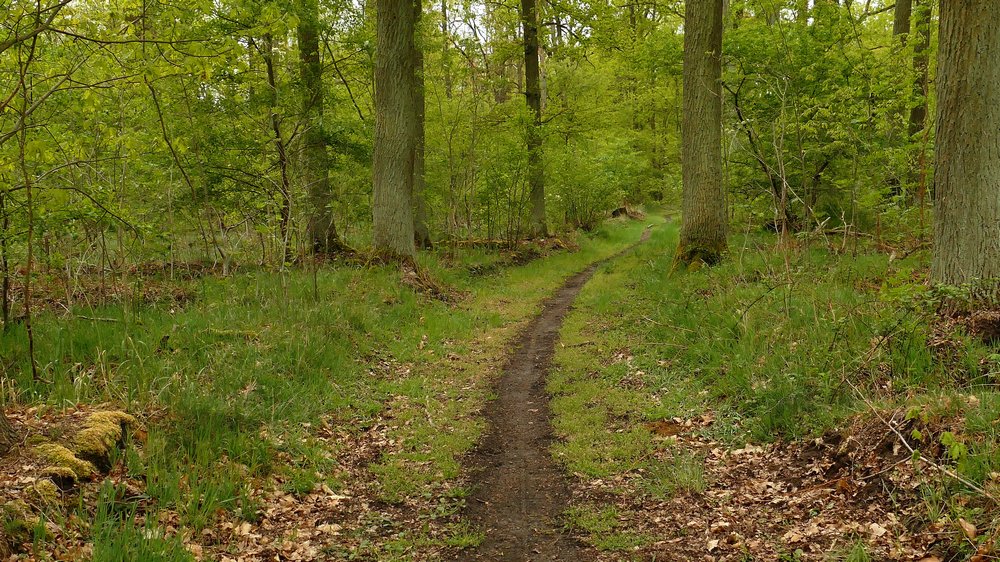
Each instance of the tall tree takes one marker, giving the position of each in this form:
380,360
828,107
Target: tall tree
901,19
321,229
967,150
533,95
422,236
395,116
703,207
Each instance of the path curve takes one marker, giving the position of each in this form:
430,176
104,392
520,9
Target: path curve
518,491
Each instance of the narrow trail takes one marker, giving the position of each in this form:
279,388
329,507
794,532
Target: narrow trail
518,491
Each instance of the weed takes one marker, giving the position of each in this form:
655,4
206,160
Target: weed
683,473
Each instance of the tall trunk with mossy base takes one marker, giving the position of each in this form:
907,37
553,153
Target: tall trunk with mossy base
703,205
967,147
321,230
533,136
395,116
422,236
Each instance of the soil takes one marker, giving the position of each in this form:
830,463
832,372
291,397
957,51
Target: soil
519,493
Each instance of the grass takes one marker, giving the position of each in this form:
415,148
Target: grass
602,524
684,473
774,350
234,385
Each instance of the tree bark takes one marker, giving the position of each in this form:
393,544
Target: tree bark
422,236
321,230
921,58
394,150
901,19
967,149
703,206
281,148
445,49
533,137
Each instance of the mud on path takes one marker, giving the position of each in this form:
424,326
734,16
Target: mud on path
519,493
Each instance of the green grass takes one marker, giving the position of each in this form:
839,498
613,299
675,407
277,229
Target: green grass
602,524
234,384
683,473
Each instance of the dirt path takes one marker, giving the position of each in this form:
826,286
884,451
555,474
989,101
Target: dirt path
518,491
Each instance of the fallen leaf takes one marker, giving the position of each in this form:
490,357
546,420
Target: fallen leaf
968,528
877,530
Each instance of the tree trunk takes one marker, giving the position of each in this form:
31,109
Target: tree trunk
445,49
533,96
967,149
703,207
901,19
422,236
281,148
321,230
394,154
921,54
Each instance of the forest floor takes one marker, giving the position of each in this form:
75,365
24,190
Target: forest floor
805,403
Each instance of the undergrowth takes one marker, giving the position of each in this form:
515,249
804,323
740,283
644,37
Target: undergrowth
233,385
775,350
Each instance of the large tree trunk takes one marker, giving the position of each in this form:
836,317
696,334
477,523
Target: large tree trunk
967,149
393,166
533,95
901,19
321,230
422,236
703,206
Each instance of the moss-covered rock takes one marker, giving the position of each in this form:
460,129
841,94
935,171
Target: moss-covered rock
17,521
61,476
61,460
44,492
101,433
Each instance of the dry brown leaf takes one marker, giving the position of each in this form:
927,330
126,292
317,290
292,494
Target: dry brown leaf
968,528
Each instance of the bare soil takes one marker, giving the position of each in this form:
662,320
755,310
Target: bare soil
519,493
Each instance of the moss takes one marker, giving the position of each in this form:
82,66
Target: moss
60,475
35,440
63,459
101,432
45,492
693,256
18,522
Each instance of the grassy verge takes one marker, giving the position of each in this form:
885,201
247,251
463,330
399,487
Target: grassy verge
267,384
761,350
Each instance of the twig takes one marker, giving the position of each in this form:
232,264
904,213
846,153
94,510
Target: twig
98,319
915,454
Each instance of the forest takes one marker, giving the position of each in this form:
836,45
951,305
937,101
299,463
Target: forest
502,281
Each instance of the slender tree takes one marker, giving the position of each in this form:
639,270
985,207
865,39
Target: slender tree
967,150
533,136
422,236
703,206
321,230
921,58
395,116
